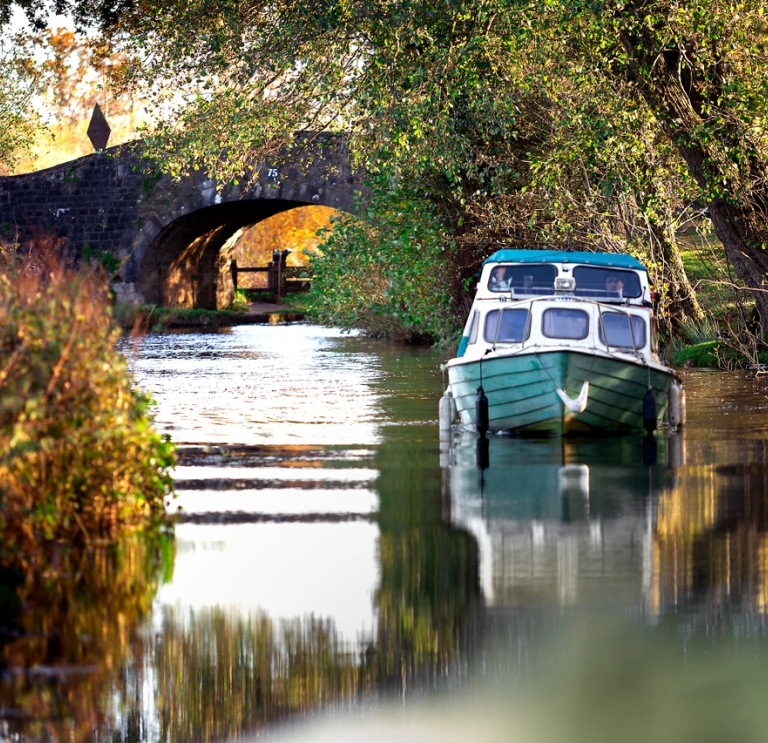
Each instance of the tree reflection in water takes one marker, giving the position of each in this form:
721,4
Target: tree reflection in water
711,537
429,595
217,673
67,632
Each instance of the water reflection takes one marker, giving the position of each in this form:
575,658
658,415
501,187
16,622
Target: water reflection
559,521
329,555
262,385
283,571
710,537
217,673
323,560
67,633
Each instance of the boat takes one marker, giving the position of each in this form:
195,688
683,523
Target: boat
561,342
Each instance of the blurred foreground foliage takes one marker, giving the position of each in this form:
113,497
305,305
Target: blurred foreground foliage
79,458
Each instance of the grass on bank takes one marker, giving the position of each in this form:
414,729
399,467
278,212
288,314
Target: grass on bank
80,460
725,337
149,318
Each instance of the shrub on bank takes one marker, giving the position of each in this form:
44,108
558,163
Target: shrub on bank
79,457
387,271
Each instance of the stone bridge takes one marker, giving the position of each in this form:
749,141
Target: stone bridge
173,240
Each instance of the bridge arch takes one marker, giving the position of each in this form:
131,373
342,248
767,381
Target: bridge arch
188,263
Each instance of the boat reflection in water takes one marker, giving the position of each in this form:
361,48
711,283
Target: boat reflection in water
559,521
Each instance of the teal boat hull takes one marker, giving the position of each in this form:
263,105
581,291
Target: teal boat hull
522,391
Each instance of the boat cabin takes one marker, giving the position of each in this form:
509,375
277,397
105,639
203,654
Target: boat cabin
546,299
605,277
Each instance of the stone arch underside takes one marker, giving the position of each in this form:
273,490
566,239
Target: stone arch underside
187,265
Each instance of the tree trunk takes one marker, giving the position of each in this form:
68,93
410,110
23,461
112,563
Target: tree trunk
678,298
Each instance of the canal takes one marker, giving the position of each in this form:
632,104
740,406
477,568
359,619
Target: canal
338,573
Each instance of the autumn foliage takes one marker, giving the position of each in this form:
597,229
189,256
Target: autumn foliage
79,458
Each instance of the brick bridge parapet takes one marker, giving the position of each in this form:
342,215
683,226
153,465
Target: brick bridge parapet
172,239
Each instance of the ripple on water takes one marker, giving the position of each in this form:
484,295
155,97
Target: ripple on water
278,384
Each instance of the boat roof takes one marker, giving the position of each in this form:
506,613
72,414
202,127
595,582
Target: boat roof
517,255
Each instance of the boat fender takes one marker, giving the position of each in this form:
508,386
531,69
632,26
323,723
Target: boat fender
676,451
675,413
446,414
481,411
650,451
649,411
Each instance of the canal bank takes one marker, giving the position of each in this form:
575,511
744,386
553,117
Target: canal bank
148,318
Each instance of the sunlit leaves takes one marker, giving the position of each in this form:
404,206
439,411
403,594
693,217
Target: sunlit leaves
19,82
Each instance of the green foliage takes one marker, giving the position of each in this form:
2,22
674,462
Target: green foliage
104,258
79,458
700,355
701,330
240,302
387,272
698,344
255,295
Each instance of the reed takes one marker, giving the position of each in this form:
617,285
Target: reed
79,458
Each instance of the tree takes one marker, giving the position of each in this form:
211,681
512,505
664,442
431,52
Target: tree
701,69
519,122
606,175
19,82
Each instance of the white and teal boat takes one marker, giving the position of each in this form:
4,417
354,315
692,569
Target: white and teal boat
561,342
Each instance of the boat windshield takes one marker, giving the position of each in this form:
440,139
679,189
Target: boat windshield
606,282
526,278
619,333
564,323
512,329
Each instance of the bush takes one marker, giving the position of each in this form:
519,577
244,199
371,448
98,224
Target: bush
387,272
79,458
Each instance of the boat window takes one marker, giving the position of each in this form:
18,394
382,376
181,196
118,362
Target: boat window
606,282
474,327
512,329
618,331
523,279
558,322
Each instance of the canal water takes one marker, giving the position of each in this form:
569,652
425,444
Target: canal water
338,573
